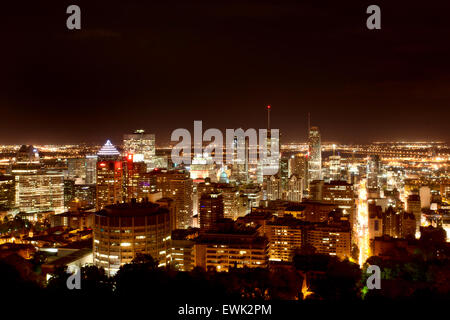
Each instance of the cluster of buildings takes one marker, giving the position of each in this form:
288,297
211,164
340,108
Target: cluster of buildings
132,199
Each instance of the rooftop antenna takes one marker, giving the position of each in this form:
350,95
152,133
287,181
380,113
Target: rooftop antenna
268,118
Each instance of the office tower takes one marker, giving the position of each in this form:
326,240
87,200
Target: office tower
91,169
294,191
121,231
7,192
85,195
284,172
178,186
314,155
230,196
142,145
274,188
69,191
335,167
227,247
341,194
242,170
37,189
270,162
211,209
135,177
109,176
425,197
285,236
76,168
298,165
373,171
413,205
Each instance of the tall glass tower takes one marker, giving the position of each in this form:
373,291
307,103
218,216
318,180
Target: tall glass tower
315,155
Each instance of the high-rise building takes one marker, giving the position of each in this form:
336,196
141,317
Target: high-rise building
37,189
314,155
91,169
335,167
294,190
109,176
211,209
7,192
76,168
373,171
142,145
285,236
413,205
178,186
274,190
121,231
135,177
298,165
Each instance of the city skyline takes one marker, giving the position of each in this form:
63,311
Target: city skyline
159,68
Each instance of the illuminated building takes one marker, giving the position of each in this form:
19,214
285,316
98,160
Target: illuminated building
375,221
178,186
314,155
122,231
229,193
274,189
373,171
85,195
91,169
182,255
142,145
331,239
76,168
413,205
69,191
294,189
285,236
7,192
211,209
298,165
341,194
73,220
109,176
37,189
232,247
284,172
135,178
335,167
230,196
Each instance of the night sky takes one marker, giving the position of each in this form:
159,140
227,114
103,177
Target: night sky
160,65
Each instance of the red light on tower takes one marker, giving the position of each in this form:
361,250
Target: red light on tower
268,107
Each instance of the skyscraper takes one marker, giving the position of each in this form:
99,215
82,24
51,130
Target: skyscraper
314,155
37,189
109,176
211,209
178,186
373,170
142,146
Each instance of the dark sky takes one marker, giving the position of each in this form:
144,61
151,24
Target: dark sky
160,65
